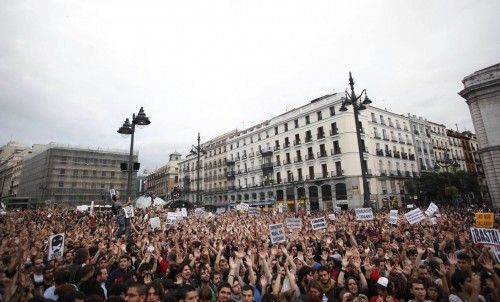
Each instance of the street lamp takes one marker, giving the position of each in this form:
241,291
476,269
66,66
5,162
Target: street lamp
357,105
129,129
198,150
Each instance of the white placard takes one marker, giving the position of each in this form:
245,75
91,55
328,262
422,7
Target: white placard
112,192
129,211
254,211
173,217
244,206
184,212
238,207
433,220
337,209
410,206
280,208
92,207
220,210
393,217
199,212
155,222
277,232
485,236
431,209
364,214
415,216
56,246
293,223
331,216
318,223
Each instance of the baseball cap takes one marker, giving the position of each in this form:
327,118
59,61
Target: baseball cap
383,281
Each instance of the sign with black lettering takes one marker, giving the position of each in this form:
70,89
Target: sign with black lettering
254,211
485,236
415,216
220,210
331,216
393,217
293,223
173,217
56,246
318,223
364,214
277,232
244,206
431,209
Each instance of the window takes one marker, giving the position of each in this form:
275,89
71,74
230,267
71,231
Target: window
307,120
75,172
320,117
296,122
324,170
286,127
62,172
275,131
374,119
332,111
103,173
311,172
61,184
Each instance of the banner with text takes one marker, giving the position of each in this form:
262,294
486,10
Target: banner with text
393,217
484,220
318,223
277,232
415,216
431,209
483,236
293,223
155,223
220,210
364,214
254,211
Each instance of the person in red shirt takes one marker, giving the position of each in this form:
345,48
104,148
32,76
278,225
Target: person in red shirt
384,291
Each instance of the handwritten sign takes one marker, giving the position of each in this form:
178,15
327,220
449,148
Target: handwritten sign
129,211
173,217
331,216
483,236
364,214
431,209
484,220
318,223
393,217
277,232
293,223
254,211
415,216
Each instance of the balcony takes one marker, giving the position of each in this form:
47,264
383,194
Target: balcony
399,173
409,143
388,153
308,139
310,157
336,151
402,141
412,156
286,145
277,148
393,139
237,158
416,132
404,155
383,173
266,165
334,131
266,151
252,154
397,154
322,154
377,136
385,138
287,162
407,174
310,177
374,121
296,142
382,122
297,159
398,127
380,152
337,173
391,125
368,172
230,175
244,157
320,135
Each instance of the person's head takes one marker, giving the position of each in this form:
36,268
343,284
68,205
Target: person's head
48,274
417,289
461,281
186,271
433,292
117,290
205,294
423,272
88,271
305,275
464,262
68,257
38,265
81,256
236,288
102,275
124,262
154,292
205,275
136,292
224,292
314,289
383,287
323,274
352,285
216,278
61,276
247,293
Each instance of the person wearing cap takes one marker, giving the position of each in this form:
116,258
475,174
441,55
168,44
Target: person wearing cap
384,291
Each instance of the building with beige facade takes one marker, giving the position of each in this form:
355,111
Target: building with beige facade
162,181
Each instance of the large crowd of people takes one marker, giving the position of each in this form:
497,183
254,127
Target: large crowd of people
230,257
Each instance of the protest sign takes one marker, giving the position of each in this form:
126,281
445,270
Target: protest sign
220,210
431,209
129,211
414,216
184,212
277,232
200,212
56,246
92,207
364,214
484,220
483,236
331,216
155,222
244,206
393,217
496,252
433,220
293,223
112,192
254,211
173,217
238,207
318,223
337,209
280,208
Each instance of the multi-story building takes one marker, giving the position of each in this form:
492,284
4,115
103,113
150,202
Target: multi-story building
423,143
163,180
188,176
456,150
394,160
11,156
439,142
73,175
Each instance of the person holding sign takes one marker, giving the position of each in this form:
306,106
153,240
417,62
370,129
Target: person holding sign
118,209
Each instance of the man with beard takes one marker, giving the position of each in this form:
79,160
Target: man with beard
327,283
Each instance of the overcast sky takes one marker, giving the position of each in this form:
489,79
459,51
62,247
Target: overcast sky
72,71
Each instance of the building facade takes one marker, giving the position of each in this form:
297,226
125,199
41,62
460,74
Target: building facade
162,181
71,175
421,129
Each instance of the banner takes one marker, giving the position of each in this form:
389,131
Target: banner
364,214
496,252
254,211
393,217
293,223
331,216
173,217
431,209
155,223
318,223
129,211
56,246
244,206
277,232
415,216
220,210
485,236
484,220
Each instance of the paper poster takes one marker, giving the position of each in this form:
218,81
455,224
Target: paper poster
92,207
431,209
56,246
293,223
484,220
129,211
364,214
254,211
277,232
172,217
393,217
318,223
415,216
331,216
483,236
337,210
220,210
244,206
184,212
155,223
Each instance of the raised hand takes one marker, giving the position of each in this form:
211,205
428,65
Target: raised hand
452,258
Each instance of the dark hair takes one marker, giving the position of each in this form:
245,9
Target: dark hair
303,271
205,293
157,286
269,298
94,298
464,256
184,290
61,277
116,289
415,281
81,255
223,284
246,287
458,278
115,299
323,269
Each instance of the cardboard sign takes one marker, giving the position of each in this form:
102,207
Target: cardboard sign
56,246
129,211
277,232
244,206
293,223
220,210
485,236
484,220
393,217
155,223
415,216
364,214
254,211
318,223
331,216
431,209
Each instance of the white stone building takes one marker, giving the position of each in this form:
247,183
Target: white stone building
423,143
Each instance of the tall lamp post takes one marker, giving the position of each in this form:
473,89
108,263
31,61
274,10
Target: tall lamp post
129,129
198,150
357,105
